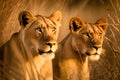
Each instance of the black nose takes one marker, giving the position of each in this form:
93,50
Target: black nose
95,47
50,44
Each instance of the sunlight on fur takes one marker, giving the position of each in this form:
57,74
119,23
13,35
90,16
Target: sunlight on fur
32,47
84,41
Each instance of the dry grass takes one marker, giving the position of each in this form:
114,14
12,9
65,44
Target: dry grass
108,67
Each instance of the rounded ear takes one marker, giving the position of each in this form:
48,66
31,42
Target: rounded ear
103,23
56,16
25,17
76,24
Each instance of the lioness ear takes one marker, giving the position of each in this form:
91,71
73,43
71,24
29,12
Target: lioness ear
25,17
103,23
56,16
76,24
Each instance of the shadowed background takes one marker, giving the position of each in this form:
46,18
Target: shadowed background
108,67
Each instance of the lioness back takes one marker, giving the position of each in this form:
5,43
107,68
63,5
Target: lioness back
28,53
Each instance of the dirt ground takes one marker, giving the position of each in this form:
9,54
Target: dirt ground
108,67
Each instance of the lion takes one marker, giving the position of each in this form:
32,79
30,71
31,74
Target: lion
28,53
84,40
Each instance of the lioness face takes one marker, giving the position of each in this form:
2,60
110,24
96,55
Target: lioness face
40,33
88,38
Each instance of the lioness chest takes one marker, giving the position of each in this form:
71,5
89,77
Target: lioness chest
18,65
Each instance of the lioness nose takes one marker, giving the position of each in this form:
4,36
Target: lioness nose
50,44
96,47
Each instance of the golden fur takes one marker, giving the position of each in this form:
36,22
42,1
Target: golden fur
84,39
28,54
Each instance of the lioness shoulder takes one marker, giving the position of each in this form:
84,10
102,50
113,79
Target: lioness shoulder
84,41
24,56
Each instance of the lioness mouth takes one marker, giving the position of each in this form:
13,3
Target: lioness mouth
91,54
96,54
41,52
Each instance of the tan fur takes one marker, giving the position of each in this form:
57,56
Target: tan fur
84,39
28,54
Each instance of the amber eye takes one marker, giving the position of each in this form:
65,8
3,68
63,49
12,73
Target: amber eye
88,35
39,30
53,30
99,34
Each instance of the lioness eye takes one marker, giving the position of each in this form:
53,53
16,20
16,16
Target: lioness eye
99,34
39,30
88,35
53,30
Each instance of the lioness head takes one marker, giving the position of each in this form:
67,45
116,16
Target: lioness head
88,38
39,33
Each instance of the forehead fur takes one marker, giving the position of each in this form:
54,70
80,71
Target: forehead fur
26,19
93,28
44,21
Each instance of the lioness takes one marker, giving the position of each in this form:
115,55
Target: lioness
84,39
28,54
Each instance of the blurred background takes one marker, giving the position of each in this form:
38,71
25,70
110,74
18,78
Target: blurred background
108,67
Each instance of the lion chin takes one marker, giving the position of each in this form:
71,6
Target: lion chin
96,55
47,55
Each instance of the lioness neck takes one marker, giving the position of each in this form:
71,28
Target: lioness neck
73,65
